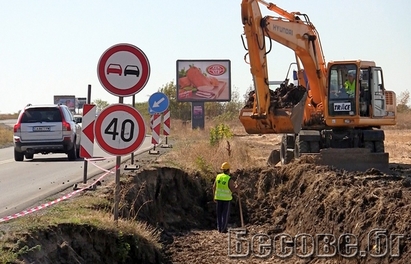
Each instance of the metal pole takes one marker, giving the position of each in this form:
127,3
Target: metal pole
85,166
133,103
117,190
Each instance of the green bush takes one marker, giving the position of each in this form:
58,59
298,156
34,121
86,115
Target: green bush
219,132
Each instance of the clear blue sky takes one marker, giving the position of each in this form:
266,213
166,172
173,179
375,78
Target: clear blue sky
53,47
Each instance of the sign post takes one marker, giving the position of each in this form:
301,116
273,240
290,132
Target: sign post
123,70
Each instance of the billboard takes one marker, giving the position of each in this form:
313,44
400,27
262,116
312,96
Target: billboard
69,100
203,80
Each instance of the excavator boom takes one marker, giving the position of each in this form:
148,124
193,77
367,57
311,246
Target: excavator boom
262,115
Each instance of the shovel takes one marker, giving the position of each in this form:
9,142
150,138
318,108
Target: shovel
241,211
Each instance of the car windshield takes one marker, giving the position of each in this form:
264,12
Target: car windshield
41,115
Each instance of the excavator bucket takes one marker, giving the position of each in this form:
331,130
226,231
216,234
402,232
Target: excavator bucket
352,159
277,121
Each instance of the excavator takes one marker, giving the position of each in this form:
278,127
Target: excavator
337,110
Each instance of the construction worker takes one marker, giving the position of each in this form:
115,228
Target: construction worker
223,188
350,83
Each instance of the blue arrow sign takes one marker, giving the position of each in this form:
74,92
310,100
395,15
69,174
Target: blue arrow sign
158,103
150,111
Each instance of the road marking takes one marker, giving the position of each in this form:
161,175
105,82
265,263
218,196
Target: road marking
6,161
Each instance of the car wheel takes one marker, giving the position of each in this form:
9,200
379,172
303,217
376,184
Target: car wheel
29,156
71,154
18,156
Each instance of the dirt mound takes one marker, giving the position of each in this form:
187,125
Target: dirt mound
69,243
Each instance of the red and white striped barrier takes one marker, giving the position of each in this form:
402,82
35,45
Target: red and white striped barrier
155,138
87,132
166,127
151,122
166,123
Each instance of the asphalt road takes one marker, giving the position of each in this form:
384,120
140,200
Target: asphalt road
23,184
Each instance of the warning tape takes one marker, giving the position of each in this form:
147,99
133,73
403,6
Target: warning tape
64,197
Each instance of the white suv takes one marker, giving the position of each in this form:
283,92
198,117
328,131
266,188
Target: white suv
46,129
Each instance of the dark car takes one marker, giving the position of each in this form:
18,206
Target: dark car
132,70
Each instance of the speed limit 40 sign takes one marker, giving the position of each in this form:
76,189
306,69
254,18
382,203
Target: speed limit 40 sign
119,129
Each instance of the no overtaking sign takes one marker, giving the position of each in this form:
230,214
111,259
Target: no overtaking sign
123,70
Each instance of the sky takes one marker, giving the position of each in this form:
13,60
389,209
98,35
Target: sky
51,47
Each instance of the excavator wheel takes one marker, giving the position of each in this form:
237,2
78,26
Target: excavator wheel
300,147
314,146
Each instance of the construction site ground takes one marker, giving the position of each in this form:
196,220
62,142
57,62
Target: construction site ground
297,213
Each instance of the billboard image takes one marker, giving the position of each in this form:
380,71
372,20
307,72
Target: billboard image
69,100
203,80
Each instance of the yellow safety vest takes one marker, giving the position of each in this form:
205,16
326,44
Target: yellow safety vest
222,191
350,87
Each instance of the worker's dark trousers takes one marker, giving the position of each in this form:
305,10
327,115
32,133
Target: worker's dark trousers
223,211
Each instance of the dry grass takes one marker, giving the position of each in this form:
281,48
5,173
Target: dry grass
6,135
80,211
194,151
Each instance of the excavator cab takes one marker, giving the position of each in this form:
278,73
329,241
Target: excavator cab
357,97
342,90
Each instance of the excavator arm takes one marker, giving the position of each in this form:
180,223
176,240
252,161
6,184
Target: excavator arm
295,31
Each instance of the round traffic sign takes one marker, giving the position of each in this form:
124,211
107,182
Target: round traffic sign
123,70
119,129
158,103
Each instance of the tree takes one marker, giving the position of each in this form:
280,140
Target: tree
403,101
100,104
178,110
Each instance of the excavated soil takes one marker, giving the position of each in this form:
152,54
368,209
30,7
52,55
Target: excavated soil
285,96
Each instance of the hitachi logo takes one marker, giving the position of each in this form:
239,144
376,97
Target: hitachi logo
283,30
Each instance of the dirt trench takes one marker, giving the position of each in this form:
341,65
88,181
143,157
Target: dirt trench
169,199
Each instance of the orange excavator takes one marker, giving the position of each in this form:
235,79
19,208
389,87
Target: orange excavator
336,111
